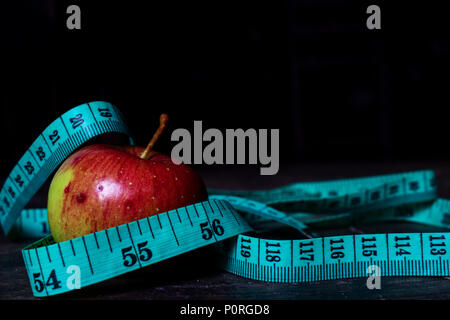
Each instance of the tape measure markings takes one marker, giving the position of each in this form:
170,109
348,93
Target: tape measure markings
51,147
171,226
264,212
351,260
383,199
406,183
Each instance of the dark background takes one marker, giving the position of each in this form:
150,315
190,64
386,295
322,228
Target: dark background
336,90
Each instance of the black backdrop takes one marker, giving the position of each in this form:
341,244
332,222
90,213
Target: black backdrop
336,90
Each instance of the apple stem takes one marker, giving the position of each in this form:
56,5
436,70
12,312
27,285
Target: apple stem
162,124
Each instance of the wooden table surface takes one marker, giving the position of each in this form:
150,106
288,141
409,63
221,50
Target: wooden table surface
195,276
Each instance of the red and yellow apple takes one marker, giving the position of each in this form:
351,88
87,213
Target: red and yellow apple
103,186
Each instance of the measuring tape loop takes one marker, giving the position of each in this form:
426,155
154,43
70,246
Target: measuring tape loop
226,220
348,195
51,148
261,210
115,251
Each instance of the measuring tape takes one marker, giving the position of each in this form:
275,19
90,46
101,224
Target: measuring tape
53,145
231,219
115,251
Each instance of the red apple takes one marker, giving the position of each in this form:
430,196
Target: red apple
102,186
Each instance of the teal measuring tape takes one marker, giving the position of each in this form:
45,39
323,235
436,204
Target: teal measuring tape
111,252
232,219
53,145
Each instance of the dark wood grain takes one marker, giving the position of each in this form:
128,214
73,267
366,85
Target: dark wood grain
196,276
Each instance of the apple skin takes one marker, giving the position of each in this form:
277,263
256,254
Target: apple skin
103,186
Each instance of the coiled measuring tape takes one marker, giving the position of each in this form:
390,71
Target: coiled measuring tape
231,219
